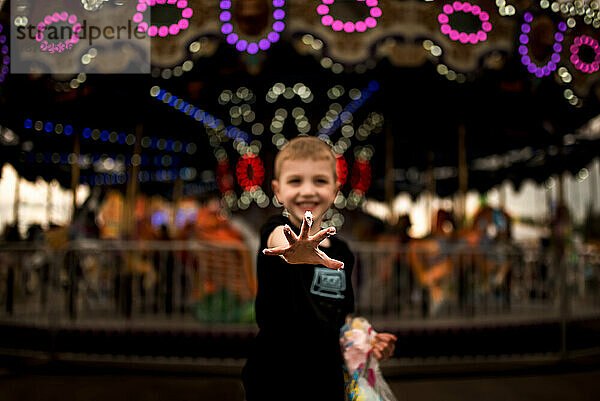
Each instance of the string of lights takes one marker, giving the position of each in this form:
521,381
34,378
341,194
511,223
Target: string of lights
164,176
584,40
103,161
467,8
316,46
219,133
251,46
350,109
113,137
202,116
67,44
550,66
590,11
250,172
349,26
4,55
163,30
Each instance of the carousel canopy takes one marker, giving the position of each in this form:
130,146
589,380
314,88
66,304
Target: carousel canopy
230,82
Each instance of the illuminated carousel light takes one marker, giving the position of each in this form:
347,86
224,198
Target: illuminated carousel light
550,66
3,56
258,129
337,68
361,176
163,30
349,26
341,168
250,172
467,8
250,46
64,16
584,40
92,5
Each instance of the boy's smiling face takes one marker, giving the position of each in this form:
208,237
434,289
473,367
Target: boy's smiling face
303,185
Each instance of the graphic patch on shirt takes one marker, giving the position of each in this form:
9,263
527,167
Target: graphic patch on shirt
328,283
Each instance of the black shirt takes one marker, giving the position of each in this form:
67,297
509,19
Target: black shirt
299,310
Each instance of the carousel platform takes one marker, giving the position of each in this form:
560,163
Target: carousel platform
424,347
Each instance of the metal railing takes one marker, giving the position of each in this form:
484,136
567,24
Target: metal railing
428,281
144,281
105,301
215,282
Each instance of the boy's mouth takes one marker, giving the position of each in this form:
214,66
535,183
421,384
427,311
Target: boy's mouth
304,206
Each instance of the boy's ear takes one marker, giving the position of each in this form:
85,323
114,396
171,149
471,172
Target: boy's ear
275,186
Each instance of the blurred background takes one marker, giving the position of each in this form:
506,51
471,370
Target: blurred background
135,174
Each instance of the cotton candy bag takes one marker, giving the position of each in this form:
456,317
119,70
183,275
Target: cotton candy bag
362,378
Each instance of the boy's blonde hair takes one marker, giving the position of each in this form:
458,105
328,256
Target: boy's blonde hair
302,148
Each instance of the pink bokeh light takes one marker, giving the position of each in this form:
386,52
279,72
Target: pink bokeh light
463,37
163,30
322,9
61,46
584,40
327,20
350,26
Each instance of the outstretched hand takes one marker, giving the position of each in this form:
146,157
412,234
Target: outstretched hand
304,249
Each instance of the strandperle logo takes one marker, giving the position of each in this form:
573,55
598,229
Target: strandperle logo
68,40
57,38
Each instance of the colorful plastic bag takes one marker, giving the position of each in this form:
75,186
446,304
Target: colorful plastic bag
362,377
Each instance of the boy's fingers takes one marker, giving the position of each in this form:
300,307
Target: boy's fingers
330,263
275,251
378,354
386,337
321,235
304,230
289,234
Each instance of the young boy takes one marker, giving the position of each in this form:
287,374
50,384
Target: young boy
305,294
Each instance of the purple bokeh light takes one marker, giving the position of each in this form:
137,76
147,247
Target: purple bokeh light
264,44
6,58
550,66
225,16
278,14
251,46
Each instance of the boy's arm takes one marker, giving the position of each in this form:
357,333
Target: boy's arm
277,238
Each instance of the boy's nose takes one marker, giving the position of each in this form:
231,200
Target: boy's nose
307,189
